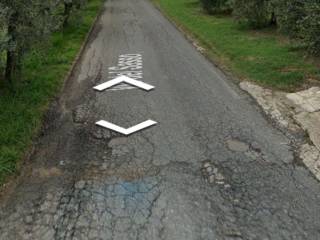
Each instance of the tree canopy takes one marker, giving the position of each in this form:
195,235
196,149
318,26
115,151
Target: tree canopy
25,23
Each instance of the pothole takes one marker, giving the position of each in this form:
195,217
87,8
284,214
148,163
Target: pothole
101,134
80,114
252,151
212,174
237,146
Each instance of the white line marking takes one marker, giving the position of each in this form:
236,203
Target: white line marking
125,79
108,84
122,86
129,65
127,131
138,84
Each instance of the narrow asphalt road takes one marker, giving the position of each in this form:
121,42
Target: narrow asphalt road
213,167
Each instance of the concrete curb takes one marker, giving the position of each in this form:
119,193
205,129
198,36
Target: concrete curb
294,113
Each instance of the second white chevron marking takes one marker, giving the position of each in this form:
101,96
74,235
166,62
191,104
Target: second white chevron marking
127,131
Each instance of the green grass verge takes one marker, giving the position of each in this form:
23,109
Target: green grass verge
262,56
21,113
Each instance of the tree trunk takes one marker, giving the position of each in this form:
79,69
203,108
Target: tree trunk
66,14
273,20
78,5
11,54
10,66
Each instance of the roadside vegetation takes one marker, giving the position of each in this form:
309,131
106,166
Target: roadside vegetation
275,43
38,43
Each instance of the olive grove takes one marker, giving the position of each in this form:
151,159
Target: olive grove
299,19
26,23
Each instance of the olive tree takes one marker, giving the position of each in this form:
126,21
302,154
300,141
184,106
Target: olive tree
3,36
290,14
301,19
69,7
310,26
25,23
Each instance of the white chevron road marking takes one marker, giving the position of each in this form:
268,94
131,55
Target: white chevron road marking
127,131
124,79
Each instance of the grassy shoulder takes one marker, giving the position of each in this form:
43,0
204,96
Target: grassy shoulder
260,56
22,112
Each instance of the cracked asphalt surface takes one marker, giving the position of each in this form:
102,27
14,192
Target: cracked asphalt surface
213,168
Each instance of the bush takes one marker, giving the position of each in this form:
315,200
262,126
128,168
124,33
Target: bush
257,13
310,26
216,6
301,19
290,13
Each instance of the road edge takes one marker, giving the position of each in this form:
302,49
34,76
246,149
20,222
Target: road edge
200,47
277,110
81,51
11,181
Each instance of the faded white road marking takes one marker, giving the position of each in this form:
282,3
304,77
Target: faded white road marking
127,131
123,79
129,65
126,75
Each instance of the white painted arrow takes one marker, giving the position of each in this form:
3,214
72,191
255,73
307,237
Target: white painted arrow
123,79
127,131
